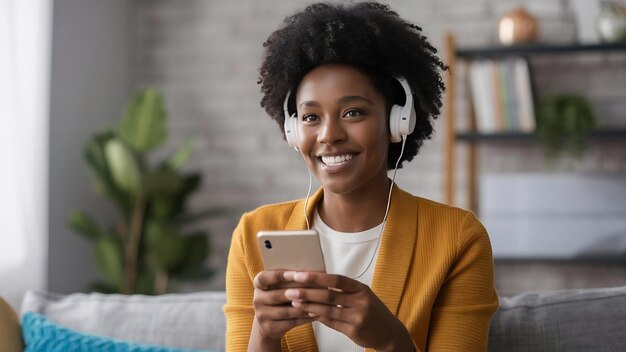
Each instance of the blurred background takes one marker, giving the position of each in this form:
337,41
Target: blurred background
69,67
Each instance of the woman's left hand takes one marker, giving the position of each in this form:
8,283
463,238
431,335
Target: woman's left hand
350,307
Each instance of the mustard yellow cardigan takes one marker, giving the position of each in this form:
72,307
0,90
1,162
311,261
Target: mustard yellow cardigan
434,272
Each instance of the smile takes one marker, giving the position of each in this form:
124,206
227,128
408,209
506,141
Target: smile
336,159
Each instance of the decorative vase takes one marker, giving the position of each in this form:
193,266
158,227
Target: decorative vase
517,26
612,22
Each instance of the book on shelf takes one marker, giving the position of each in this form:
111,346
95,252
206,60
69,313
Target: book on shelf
501,94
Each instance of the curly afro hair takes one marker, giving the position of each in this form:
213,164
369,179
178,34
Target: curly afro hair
369,36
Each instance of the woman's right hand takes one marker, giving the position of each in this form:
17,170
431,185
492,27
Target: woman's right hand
273,313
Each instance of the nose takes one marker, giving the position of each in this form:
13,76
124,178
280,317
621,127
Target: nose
331,131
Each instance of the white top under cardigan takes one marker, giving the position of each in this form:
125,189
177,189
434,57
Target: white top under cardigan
347,254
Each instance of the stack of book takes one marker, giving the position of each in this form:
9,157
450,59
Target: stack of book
502,95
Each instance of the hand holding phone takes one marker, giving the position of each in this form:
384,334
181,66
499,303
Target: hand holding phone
290,251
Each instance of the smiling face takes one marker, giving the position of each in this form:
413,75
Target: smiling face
342,129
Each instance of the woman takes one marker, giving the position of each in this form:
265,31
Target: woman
403,273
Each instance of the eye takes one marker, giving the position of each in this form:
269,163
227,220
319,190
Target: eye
353,113
309,118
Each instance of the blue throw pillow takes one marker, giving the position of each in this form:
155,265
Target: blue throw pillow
40,334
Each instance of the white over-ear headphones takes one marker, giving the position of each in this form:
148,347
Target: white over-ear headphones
401,120
291,129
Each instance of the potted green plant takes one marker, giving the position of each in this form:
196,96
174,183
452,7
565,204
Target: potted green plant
564,123
149,244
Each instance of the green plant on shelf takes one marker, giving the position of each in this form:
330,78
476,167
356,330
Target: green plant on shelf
148,247
564,123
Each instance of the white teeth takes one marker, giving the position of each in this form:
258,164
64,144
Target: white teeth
337,159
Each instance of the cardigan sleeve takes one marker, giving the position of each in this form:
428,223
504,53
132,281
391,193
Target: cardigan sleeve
467,300
239,294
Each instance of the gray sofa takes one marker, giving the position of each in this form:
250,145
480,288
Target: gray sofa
573,320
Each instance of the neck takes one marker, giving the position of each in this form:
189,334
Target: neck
356,211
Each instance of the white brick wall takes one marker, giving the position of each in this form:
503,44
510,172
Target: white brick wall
204,56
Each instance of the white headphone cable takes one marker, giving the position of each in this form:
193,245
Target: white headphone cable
382,229
306,202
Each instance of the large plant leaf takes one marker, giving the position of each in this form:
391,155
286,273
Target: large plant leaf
165,208
144,125
169,205
166,246
124,169
191,183
182,155
110,259
84,225
197,249
166,204
100,171
94,154
163,183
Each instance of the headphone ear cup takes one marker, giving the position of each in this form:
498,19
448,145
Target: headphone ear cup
402,119
395,120
291,131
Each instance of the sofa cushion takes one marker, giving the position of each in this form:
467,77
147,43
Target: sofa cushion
10,337
42,335
568,320
191,320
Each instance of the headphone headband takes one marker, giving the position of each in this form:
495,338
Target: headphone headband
405,85
286,103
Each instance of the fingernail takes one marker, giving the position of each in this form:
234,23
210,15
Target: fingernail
312,315
292,294
300,277
296,303
288,275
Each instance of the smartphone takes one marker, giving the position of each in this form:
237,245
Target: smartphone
291,250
